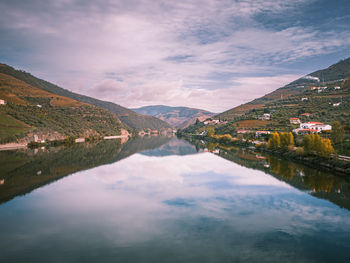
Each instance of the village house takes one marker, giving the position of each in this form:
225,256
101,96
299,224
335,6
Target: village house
266,116
243,131
318,126
336,104
304,99
306,114
39,106
294,120
211,122
259,133
2,102
336,87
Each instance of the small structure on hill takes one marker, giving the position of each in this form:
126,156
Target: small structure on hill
2,102
294,120
243,131
211,122
306,114
336,104
312,127
266,116
259,133
304,99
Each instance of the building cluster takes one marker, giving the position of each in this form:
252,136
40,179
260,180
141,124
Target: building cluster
312,127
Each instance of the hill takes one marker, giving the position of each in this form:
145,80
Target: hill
179,117
128,117
332,76
31,113
322,96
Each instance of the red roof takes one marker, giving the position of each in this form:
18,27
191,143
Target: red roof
305,114
294,118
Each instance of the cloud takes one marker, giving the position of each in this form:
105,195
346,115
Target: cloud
165,52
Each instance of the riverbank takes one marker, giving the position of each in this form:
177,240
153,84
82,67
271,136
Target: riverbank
53,143
341,166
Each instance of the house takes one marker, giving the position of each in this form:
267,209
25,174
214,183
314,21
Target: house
306,114
336,87
294,120
318,126
2,102
266,116
39,106
243,131
259,133
336,104
304,99
211,122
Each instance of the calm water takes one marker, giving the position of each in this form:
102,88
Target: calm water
159,199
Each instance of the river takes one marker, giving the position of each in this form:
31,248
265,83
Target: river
162,199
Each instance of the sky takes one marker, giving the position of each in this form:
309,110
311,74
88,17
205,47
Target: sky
209,54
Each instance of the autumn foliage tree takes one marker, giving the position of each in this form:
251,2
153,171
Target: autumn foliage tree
286,139
274,141
316,145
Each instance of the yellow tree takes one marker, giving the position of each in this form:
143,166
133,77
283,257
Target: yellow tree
274,141
287,139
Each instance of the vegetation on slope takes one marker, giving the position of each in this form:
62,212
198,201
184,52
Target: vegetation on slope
30,108
334,75
128,117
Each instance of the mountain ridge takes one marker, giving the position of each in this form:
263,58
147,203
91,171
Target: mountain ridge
335,73
177,116
127,116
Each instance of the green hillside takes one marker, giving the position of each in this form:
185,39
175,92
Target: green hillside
31,111
128,117
332,76
292,101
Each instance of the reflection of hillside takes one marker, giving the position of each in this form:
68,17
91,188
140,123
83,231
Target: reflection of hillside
27,170
141,144
23,171
316,182
172,147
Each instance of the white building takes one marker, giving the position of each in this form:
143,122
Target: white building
294,120
2,102
304,99
336,104
211,122
258,133
266,116
318,126
39,106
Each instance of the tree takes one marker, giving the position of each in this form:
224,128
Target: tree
197,121
274,142
338,133
211,131
316,145
287,139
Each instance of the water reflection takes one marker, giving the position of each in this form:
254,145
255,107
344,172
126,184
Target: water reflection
169,206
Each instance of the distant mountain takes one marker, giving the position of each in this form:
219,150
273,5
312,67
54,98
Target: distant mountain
179,117
334,75
128,117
